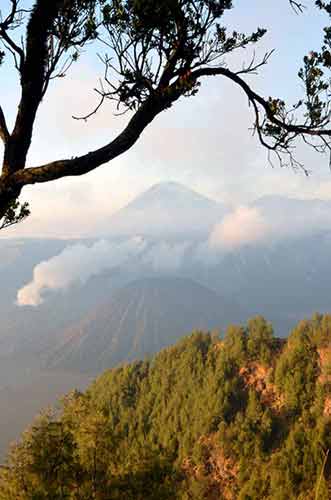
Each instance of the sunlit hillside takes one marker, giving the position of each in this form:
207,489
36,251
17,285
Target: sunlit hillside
247,416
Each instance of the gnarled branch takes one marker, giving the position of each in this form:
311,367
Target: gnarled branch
254,97
124,141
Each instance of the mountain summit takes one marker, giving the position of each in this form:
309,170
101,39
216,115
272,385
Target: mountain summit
166,210
165,192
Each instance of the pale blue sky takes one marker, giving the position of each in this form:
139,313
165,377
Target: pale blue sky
202,142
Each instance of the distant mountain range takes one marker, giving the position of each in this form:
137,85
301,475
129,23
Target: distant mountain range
285,278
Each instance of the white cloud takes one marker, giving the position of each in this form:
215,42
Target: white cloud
77,263
243,226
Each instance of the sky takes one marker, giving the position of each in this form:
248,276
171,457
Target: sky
203,142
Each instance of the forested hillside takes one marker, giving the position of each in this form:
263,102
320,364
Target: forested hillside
247,416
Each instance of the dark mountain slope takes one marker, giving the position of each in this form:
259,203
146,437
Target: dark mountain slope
139,319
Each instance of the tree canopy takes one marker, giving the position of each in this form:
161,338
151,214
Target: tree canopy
158,52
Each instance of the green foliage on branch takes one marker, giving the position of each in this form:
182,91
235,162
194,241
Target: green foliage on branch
157,43
16,213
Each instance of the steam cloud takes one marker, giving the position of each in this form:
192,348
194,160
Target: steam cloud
77,263
245,225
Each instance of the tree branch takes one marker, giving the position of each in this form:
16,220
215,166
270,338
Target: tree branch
253,97
9,22
124,141
141,119
298,7
13,47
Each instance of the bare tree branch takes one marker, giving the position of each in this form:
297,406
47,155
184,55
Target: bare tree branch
298,7
95,110
256,98
13,20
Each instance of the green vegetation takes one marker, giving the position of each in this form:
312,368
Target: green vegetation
243,417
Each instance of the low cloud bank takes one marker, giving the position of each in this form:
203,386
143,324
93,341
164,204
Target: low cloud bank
244,226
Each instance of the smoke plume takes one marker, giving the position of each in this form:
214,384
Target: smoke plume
77,263
243,226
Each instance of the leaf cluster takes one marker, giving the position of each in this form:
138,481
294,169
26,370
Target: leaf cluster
154,44
17,212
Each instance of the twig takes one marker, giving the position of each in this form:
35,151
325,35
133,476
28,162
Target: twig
321,474
297,6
